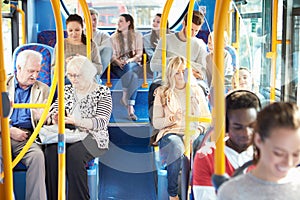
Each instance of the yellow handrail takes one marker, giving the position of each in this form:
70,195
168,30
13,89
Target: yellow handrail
87,18
236,44
8,182
188,84
221,9
19,10
108,82
272,54
60,71
145,83
163,32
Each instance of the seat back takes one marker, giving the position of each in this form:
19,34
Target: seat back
48,37
47,53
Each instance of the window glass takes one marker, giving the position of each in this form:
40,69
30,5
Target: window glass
142,11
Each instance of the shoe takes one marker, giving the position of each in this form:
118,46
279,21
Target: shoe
122,103
132,117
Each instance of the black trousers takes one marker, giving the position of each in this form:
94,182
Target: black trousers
77,157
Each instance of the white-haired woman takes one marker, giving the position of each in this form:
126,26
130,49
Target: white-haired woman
169,117
88,107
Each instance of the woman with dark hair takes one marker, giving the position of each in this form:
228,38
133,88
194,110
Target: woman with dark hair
126,60
276,155
151,39
75,43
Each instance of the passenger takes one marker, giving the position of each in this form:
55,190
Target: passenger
25,88
75,44
126,60
102,40
276,155
151,39
241,111
169,117
88,106
176,46
242,79
228,68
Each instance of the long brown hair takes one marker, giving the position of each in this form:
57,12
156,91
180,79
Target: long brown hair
130,37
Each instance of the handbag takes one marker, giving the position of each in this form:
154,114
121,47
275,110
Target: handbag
49,135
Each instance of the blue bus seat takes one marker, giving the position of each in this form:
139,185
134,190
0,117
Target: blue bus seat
48,37
46,51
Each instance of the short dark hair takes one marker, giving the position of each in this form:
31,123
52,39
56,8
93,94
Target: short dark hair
198,18
240,99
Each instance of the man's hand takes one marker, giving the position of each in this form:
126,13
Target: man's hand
18,134
197,75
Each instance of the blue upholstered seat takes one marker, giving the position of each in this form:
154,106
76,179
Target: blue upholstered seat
46,51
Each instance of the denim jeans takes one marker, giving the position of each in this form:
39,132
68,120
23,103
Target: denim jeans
171,151
105,55
130,79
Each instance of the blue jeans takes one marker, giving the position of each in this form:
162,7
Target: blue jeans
171,148
130,79
105,54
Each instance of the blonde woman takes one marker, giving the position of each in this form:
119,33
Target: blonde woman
169,117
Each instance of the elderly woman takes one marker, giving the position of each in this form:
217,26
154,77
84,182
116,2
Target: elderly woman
169,117
88,108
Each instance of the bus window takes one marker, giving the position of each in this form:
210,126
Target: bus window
109,12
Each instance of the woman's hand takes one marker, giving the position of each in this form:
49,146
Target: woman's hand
178,115
69,119
121,63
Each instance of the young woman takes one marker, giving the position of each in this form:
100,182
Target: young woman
242,79
75,43
276,155
88,108
126,60
169,117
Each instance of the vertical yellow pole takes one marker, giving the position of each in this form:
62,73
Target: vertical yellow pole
61,105
163,32
188,89
145,84
24,35
6,148
108,83
273,53
88,21
222,7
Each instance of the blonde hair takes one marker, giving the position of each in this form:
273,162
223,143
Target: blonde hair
169,84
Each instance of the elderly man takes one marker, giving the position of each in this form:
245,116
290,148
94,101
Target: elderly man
25,88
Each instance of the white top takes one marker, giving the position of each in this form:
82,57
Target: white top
177,47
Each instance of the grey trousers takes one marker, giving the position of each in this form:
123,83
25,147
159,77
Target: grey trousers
35,176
